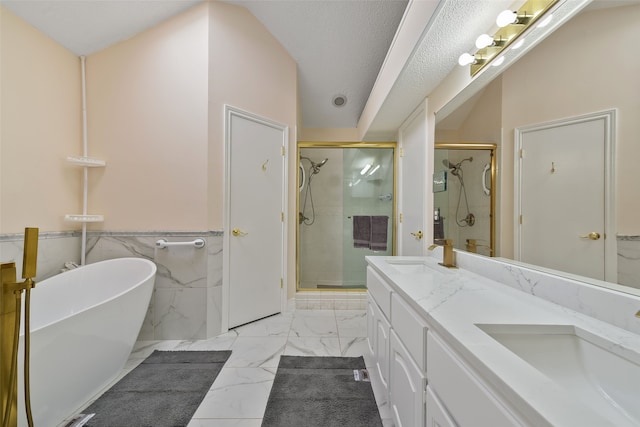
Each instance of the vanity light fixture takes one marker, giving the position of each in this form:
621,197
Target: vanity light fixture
546,21
374,170
365,169
518,44
510,17
512,25
468,59
485,40
498,62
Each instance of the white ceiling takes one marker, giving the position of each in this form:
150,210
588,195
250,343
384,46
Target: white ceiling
339,45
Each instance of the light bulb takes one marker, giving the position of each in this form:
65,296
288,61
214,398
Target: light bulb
466,59
545,21
483,41
506,17
517,45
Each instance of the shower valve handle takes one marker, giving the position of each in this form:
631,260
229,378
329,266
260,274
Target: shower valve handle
237,232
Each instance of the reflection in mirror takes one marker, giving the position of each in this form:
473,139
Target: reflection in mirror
464,203
582,68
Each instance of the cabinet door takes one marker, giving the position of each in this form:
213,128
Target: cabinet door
406,386
437,415
383,328
371,325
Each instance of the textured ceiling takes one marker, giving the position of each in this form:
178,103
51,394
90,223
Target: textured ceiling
339,45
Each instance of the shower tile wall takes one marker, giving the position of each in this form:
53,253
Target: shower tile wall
186,303
479,202
321,243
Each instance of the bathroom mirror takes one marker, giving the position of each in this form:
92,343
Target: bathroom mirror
581,68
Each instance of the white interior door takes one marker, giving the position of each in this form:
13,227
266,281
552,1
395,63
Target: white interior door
412,232
254,224
564,196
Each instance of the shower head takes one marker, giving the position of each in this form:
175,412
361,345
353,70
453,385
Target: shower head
455,168
315,167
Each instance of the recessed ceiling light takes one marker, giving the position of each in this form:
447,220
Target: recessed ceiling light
339,101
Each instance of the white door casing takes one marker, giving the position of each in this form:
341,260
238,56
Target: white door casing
564,190
254,243
412,189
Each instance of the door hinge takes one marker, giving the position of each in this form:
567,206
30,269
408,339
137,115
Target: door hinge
281,283
400,218
281,216
520,219
401,152
282,150
522,153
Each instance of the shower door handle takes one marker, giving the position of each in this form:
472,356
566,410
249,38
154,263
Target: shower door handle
418,235
593,236
238,233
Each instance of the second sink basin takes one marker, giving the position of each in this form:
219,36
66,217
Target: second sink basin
588,366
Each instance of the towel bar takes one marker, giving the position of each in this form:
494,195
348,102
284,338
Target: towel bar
197,243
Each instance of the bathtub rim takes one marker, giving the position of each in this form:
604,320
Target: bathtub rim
152,273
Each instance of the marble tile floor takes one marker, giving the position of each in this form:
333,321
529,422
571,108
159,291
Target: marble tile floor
238,396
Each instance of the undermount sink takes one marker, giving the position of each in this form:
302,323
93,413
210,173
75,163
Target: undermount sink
589,367
417,266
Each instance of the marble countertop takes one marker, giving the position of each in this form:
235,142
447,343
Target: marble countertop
454,301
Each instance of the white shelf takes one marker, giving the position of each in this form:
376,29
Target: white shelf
86,162
84,218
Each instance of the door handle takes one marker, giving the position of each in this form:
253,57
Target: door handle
593,236
418,235
237,232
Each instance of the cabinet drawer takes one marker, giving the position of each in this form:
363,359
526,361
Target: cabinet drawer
466,397
411,328
380,291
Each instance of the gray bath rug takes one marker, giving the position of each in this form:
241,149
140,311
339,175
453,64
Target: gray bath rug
163,391
321,392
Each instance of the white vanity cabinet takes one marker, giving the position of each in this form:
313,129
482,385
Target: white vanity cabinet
437,415
378,324
397,337
460,394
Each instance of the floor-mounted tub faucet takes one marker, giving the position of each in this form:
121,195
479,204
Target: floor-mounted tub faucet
10,317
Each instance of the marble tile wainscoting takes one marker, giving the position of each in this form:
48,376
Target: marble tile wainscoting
187,299
629,261
54,250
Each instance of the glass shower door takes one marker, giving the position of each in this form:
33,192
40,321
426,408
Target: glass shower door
342,187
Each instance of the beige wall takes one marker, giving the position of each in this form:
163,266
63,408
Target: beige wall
251,71
40,125
147,104
586,66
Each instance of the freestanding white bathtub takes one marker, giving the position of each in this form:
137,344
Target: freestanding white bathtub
84,324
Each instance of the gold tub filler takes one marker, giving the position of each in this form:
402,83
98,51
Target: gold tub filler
10,317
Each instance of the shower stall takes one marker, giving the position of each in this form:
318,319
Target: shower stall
346,206
463,196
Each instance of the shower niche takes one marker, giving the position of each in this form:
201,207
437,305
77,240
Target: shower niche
342,186
463,196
